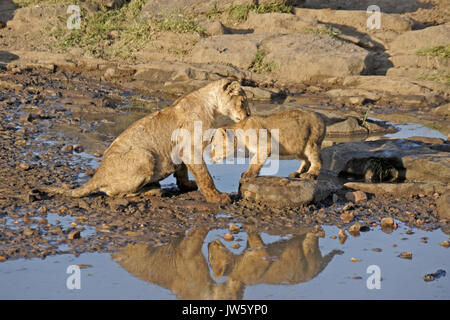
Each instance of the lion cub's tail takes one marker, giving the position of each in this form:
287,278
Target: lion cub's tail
89,187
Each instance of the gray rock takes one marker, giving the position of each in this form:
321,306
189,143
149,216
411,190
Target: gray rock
282,192
311,56
414,160
411,41
281,23
407,188
154,8
236,50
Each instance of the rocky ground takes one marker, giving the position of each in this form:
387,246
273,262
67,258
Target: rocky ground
45,141
60,88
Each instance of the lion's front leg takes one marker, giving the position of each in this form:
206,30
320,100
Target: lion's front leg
183,182
206,184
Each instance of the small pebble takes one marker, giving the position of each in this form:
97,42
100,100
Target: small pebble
78,148
67,149
445,244
234,228
387,222
356,196
355,228
347,217
228,237
406,255
342,236
74,235
28,231
433,276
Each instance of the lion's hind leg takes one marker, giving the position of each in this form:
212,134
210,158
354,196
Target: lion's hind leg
126,173
312,152
304,166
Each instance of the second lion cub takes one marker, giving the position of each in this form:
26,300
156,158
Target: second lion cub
300,135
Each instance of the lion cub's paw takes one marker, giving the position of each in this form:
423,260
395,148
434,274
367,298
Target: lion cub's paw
189,186
248,175
308,176
221,198
294,175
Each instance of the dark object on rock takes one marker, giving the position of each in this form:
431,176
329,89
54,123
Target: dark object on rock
412,160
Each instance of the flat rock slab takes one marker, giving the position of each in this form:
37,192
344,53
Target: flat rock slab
407,188
285,192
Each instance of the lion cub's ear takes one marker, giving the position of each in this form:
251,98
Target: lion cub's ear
231,87
225,83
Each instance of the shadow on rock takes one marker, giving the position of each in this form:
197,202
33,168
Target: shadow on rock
7,9
387,6
6,57
181,266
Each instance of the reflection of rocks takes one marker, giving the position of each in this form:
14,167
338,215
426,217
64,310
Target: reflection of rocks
181,266
281,192
414,160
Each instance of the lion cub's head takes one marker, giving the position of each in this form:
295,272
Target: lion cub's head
223,145
232,100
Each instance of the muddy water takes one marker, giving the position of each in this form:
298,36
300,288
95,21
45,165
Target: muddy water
275,265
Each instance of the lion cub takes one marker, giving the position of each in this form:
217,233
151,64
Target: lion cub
300,135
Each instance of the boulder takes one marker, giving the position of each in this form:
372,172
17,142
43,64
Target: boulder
406,92
412,160
236,50
278,23
155,8
412,41
415,61
311,56
282,192
356,19
397,189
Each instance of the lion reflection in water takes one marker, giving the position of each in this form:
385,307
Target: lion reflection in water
181,266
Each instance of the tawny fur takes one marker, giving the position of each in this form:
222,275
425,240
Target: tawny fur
141,155
300,136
